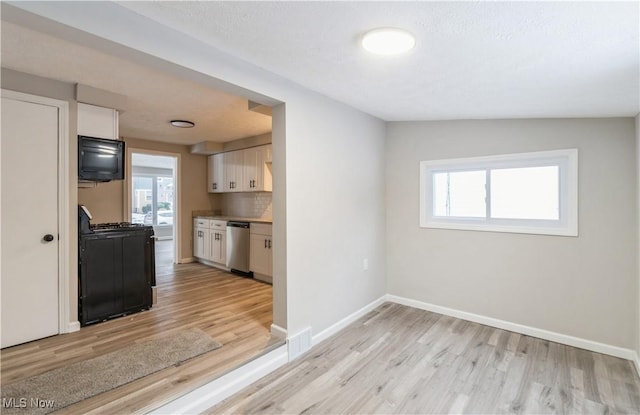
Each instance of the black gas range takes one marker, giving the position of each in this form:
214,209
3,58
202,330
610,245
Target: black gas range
116,272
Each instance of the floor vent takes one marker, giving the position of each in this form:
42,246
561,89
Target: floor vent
299,343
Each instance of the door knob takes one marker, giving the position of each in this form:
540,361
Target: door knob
48,237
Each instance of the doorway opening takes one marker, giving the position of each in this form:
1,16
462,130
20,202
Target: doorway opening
153,196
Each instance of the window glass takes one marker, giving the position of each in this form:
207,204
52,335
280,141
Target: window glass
459,194
525,193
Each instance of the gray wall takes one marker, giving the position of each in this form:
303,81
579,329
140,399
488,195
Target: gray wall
335,211
581,286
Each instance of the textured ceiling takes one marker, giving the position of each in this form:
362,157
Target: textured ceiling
154,97
472,59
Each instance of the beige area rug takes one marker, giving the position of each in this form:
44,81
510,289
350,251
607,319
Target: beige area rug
67,385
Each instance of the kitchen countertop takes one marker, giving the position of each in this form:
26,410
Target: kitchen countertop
237,218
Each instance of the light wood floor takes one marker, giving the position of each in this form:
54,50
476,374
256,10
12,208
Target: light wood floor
235,311
403,360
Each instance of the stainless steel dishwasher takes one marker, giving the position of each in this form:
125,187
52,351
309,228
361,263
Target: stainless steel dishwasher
238,247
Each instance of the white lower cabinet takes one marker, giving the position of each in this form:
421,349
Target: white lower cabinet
261,254
210,241
201,239
218,246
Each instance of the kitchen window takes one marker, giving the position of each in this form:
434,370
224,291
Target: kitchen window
521,193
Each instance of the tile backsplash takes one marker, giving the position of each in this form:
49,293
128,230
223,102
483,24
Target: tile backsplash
247,205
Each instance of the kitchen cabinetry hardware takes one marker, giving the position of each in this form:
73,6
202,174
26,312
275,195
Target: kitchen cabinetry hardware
269,244
48,237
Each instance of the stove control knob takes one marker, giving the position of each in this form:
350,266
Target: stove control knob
48,237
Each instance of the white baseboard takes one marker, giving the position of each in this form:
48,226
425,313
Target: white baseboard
636,360
279,332
186,260
333,329
518,328
72,326
220,389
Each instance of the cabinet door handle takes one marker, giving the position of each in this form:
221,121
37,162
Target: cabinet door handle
214,186
269,243
265,244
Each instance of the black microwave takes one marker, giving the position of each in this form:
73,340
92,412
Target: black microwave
100,159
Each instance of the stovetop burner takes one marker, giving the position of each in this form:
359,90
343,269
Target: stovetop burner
118,226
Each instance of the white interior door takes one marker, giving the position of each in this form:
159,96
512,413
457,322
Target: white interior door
29,212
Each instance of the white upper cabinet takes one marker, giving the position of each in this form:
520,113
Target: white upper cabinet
257,170
247,170
215,173
234,171
98,122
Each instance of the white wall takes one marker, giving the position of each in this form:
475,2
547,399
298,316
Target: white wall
335,211
329,207
637,290
579,286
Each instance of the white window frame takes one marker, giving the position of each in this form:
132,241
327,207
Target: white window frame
567,162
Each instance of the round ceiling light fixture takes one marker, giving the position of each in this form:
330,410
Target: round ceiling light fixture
388,41
182,124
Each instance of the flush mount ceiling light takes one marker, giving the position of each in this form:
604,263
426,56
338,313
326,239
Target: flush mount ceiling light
182,124
388,41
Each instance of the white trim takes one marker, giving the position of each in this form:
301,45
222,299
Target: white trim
72,326
567,162
177,210
279,332
64,309
219,389
636,361
336,327
518,328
